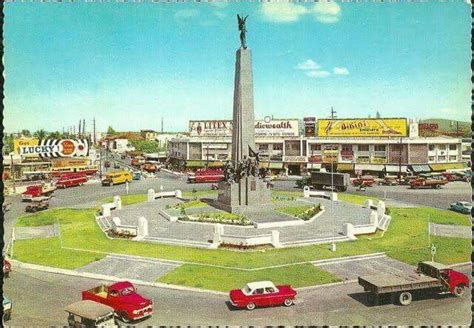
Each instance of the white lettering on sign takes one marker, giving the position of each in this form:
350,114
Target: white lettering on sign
27,150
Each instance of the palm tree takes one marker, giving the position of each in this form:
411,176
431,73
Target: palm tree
40,134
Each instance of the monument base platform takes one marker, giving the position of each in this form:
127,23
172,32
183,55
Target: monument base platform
237,197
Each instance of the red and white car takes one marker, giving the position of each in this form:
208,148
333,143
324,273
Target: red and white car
262,293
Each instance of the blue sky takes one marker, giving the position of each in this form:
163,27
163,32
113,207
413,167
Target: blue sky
130,64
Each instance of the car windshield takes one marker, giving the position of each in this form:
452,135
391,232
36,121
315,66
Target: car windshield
127,291
246,290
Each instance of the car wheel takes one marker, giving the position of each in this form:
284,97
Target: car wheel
288,302
405,298
459,290
124,317
250,306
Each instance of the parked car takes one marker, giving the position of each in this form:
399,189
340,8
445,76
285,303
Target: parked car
90,314
390,180
123,298
40,204
7,268
365,180
461,207
137,175
262,293
7,309
427,182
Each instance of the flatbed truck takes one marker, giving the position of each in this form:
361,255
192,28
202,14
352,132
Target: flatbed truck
429,276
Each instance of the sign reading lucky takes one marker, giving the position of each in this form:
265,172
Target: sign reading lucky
57,148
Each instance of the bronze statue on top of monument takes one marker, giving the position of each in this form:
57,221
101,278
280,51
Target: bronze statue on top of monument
243,30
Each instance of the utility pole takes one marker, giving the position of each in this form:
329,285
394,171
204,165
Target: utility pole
84,127
94,130
79,129
74,130
333,112
400,161
162,124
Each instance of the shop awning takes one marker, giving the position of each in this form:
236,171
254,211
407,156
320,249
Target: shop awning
447,166
420,168
195,163
315,166
395,168
275,166
216,164
369,167
345,167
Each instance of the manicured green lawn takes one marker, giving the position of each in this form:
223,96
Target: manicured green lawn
406,240
48,252
199,193
126,199
304,212
191,204
354,199
225,280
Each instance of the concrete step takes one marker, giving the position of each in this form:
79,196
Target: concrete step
315,241
103,223
384,223
183,242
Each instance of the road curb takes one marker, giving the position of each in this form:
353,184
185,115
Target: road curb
349,258
110,278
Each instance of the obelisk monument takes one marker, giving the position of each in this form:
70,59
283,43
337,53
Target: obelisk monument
243,134
243,189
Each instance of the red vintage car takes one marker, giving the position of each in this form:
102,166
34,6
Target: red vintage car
364,181
262,293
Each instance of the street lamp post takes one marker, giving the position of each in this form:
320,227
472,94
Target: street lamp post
333,245
400,161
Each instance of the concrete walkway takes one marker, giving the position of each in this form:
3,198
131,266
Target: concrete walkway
448,230
46,231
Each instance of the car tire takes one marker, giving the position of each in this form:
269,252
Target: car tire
288,302
250,306
124,317
458,290
405,298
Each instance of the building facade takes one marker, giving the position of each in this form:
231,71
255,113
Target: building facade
357,146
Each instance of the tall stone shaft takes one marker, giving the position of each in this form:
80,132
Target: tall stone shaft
243,133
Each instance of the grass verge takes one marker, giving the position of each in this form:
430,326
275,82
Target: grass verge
225,280
126,199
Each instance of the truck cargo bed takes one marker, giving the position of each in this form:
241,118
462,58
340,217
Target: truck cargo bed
380,284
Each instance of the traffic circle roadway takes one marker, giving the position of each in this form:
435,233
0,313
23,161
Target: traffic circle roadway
343,304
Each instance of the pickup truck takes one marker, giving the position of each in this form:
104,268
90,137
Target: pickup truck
35,191
422,182
428,276
123,298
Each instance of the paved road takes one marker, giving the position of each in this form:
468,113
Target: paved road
337,305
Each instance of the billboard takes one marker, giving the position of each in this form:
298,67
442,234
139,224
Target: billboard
263,128
51,148
210,128
309,126
370,127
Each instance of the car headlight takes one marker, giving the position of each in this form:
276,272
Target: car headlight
135,311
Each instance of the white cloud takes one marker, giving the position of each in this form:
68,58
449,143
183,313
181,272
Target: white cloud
308,64
186,13
318,74
341,71
327,12
285,12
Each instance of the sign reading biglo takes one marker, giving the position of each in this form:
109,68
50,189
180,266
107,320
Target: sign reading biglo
52,147
375,127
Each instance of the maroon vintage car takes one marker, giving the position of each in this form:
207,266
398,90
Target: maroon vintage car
262,293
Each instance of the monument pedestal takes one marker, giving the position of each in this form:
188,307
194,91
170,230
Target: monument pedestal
236,197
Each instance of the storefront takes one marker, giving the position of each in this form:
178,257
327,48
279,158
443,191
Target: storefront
274,168
422,168
370,169
295,165
447,166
